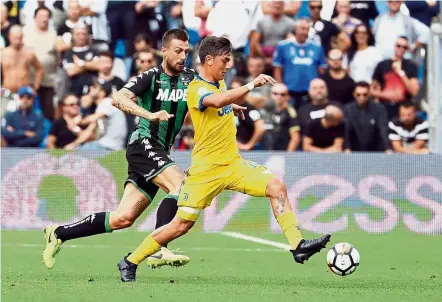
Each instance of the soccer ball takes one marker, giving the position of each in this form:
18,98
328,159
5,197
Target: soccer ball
343,259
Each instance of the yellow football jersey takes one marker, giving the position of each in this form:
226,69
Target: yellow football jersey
215,130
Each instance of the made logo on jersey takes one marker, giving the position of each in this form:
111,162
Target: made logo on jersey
174,95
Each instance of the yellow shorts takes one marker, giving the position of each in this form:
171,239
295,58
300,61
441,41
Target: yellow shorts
202,184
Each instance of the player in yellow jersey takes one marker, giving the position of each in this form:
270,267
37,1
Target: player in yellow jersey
216,163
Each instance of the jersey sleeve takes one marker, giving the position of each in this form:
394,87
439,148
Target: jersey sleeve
196,92
142,83
293,123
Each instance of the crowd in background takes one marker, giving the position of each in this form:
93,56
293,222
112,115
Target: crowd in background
351,73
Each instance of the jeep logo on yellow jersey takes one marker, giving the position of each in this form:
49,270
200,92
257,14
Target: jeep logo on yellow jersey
173,95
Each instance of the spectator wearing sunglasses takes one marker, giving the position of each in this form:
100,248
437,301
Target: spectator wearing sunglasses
339,84
366,124
395,80
67,128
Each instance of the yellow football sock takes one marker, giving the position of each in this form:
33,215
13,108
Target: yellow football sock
148,247
289,226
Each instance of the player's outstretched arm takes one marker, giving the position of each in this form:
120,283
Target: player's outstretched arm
125,100
220,100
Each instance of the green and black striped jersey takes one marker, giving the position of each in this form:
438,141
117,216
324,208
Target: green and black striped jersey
158,91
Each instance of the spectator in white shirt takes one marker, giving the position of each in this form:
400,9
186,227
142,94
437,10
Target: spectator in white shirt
111,122
362,55
393,24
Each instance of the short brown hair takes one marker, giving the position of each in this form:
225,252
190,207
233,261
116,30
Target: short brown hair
214,46
179,34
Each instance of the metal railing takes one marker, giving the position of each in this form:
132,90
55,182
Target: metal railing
434,87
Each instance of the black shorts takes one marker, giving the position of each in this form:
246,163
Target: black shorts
146,159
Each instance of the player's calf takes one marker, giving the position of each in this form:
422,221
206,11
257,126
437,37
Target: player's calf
302,249
121,220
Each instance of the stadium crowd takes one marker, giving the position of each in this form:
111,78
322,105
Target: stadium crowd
350,73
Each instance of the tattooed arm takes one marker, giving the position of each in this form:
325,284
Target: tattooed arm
125,100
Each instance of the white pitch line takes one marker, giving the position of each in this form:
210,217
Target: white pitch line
257,240
100,246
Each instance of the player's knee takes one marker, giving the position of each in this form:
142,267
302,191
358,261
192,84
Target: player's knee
120,220
275,188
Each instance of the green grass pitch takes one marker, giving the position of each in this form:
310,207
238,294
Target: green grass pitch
398,266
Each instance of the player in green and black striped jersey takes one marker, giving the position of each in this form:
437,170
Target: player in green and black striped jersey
156,90
158,97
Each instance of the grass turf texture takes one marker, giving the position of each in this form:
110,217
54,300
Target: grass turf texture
395,266
398,266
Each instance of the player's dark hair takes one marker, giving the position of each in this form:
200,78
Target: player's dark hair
107,53
362,84
179,34
43,8
214,46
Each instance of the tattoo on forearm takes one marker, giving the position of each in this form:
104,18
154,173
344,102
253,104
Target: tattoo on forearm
280,207
140,206
126,103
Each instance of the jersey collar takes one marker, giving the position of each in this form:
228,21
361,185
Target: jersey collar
211,83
